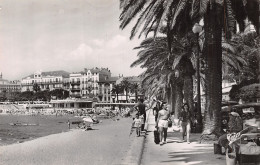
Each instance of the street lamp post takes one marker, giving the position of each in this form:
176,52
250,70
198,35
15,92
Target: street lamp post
197,29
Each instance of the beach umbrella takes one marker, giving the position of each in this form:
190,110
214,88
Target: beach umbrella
88,119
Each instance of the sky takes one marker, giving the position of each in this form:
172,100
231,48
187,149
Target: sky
65,35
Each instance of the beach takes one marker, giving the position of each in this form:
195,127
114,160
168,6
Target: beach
107,143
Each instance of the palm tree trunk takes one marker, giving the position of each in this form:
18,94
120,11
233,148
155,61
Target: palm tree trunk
188,92
169,98
188,96
213,77
179,99
173,97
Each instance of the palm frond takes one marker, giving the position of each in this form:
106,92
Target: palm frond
141,19
203,6
177,60
130,11
178,9
229,19
153,14
228,47
167,11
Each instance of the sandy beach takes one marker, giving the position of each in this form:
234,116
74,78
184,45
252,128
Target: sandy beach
106,144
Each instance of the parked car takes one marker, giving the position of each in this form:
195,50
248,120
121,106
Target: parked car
247,111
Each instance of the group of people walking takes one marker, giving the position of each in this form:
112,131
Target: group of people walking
162,114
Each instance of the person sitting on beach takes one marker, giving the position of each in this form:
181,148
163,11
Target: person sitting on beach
137,124
94,118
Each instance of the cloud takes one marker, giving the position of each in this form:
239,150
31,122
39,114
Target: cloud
111,43
116,41
98,42
81,51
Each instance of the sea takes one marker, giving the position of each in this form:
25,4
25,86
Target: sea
21,128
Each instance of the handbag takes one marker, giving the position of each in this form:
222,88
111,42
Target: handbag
169,122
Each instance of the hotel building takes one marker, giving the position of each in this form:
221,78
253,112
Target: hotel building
46,81
85,83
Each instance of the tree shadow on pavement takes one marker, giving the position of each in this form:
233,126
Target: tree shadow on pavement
200,156
194,153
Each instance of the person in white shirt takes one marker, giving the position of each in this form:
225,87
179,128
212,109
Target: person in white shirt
137,124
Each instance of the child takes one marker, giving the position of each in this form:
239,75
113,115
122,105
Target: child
142,122
137,124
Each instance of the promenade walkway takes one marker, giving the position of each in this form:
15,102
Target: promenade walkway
175,152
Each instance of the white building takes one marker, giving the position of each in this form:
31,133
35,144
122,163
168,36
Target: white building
46,81
85,84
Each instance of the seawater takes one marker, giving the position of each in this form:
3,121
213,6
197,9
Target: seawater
45,125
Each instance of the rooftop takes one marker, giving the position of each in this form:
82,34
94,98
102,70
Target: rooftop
52,73
109,80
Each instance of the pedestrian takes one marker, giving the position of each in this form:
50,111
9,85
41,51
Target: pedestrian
141,108
162,120
68,124
156,110
185,119
137,124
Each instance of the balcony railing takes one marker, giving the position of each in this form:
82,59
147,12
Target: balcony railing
75,82
75,89
42,83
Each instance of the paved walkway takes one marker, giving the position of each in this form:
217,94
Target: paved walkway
177,153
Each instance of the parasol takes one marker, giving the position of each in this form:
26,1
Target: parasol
88,119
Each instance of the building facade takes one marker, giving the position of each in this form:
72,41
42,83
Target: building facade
9,86
86,83
105,90
46,81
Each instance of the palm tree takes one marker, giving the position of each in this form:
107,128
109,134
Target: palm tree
135,88
36,87
126,85
116,90
217,15
155,56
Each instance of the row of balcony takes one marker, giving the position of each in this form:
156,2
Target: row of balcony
84,88
83,82
43,83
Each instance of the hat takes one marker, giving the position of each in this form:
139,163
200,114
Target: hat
235,114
